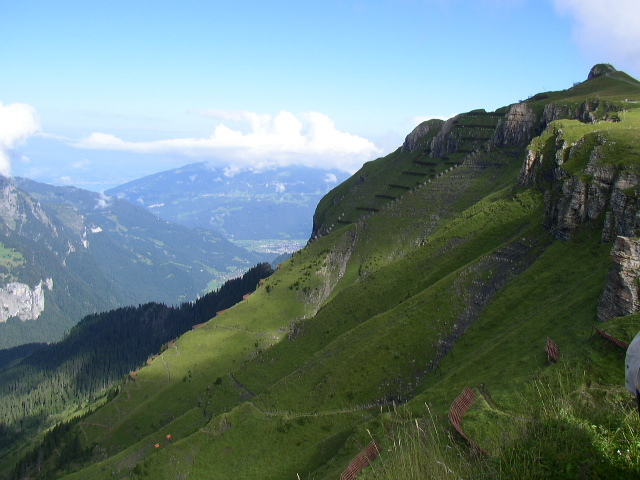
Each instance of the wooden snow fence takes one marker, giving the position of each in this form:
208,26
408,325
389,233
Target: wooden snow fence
611,338
364,459
426,164
552,350
458,408
395,185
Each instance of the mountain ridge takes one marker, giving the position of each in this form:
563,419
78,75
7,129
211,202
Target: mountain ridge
68,252
240,205
415,286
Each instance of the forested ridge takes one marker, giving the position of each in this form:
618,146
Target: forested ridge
96,354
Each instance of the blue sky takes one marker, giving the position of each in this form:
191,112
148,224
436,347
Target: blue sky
97,93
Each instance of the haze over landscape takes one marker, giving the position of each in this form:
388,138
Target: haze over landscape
96,94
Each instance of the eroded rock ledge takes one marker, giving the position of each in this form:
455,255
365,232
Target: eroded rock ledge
621,294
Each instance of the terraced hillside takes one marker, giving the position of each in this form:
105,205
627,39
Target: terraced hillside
405,297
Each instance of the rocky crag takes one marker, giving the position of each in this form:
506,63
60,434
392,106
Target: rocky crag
621,295
19,300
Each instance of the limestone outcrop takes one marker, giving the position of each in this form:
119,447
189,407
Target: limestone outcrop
601,69
21,301
413,139
589,111
621,295
573,199
583,183
517,127
446,141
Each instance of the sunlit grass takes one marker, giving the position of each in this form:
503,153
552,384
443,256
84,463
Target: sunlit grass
570,428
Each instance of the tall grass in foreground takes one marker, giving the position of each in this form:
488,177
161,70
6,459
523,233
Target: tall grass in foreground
422,449
573,429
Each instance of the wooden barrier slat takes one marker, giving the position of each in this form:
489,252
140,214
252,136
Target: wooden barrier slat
362,460
458,408
552,350
611,338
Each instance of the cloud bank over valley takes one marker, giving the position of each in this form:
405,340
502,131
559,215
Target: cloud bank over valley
254,141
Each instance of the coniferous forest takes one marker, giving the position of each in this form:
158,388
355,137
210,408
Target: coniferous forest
38,381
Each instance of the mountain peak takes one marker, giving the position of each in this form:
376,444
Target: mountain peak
601,69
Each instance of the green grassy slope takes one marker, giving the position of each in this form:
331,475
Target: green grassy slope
334,372
455,283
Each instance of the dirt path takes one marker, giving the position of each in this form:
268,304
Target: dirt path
240,385
342,411
166,365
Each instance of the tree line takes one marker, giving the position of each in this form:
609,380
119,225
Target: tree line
97,353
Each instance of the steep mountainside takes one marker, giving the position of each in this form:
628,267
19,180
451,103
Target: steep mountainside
67,252
447,264
243,205
38,382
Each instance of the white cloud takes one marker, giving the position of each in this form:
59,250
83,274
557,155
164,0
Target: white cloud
103,201
257,122
81,164
609,29
18,122
280,188
330,178
310,139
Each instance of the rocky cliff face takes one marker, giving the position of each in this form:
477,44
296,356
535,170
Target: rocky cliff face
16,209
573,199
446,141
582,185
521,124
517,128
20,300
621,295
601,69
589,111
412,140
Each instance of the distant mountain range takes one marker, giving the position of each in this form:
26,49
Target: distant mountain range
272,204
67,252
